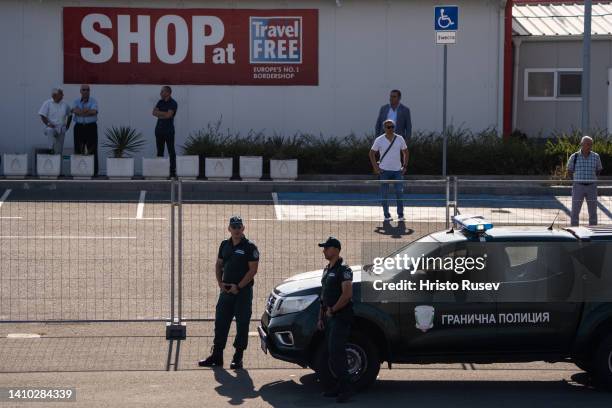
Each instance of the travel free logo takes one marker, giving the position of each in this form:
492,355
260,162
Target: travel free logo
275,40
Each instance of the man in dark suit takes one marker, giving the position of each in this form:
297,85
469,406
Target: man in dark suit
398,113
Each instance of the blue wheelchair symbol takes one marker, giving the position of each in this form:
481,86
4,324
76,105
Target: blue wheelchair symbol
446,18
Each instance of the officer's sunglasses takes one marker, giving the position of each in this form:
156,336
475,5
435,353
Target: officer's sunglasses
235,226
389,127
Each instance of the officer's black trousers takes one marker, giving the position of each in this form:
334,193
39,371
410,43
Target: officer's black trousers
337,331
228,307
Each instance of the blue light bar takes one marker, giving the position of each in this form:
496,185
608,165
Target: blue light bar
470,223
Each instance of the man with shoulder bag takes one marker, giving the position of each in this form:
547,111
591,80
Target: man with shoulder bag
393,153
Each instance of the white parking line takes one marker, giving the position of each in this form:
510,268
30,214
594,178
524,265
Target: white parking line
277,208
23,336
5,196
138,219
140,208
58,237
11,218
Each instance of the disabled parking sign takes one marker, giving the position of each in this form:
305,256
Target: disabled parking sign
446,24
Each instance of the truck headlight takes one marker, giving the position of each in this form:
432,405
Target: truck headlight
292,304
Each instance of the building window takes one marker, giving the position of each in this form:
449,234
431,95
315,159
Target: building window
570,84
552,84
541,84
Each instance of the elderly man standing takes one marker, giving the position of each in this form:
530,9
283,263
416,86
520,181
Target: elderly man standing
55,114
584,165
85,110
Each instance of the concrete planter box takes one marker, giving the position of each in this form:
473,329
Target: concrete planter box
81,166
48,165
251,167
119,168
15,165
218,168
158,167
187,166
284,169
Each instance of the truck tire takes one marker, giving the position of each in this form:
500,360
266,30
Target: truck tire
602,363
363,358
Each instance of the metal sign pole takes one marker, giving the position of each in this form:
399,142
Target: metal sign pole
444,136
586,67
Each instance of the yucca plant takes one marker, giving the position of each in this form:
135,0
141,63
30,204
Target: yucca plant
123,141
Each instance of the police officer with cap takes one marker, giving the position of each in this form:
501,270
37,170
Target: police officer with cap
336,315
235,269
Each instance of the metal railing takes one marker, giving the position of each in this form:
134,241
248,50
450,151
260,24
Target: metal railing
146,250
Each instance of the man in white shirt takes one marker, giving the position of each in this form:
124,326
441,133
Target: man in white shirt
393,153
55,115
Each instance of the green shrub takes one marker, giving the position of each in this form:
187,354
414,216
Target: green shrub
468,153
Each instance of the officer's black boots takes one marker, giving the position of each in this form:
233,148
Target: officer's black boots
236,363
331,393
214,360
345,392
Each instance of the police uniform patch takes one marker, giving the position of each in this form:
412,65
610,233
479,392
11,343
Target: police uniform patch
348,274
255,254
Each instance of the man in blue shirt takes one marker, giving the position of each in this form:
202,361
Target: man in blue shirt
85,111
584,166
165,111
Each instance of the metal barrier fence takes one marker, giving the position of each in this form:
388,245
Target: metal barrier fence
84,251
286,227
145,250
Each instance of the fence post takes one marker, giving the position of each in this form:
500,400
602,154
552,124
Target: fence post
447,202
180,250
174,329
172,226
455,195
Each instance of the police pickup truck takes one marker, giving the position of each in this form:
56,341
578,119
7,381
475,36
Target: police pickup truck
551,303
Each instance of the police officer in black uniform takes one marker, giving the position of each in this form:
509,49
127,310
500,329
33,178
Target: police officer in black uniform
336,315
235,269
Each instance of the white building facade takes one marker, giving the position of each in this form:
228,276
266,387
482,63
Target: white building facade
364,48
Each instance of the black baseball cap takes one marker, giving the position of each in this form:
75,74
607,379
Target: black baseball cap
235,220
332,242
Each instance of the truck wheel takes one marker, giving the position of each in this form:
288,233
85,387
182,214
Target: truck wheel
363,362
602,363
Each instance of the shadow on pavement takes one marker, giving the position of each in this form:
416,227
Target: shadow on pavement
394,232
306,392
237,385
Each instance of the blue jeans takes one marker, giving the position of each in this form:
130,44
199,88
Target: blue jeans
399,190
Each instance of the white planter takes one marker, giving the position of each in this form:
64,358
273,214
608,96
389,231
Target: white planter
119,168
284,169
251,167
216,168
158,167
15,165
81,166
48,165
187,166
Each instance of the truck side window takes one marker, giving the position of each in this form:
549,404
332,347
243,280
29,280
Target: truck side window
521,263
